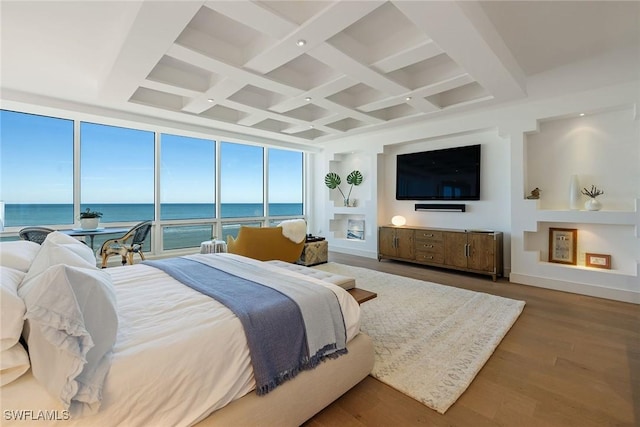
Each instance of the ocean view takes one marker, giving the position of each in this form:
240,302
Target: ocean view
174,237
59,214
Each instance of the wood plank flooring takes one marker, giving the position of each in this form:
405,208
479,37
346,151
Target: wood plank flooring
569,360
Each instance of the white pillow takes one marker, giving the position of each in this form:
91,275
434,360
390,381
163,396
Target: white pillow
18,254
13,358
71,325
11,307
13,363
58,248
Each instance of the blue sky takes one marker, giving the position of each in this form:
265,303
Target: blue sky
36,155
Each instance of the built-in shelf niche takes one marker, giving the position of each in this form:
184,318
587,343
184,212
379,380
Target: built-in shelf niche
340,215
339,226
601,149
619,241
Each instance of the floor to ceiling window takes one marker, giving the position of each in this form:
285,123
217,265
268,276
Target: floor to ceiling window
241,180
117,172
187,188
36,169
201,189
285,182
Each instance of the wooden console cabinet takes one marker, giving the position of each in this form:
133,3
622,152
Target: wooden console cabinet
396,243
466,250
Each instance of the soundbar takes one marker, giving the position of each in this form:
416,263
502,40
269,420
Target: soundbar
434,207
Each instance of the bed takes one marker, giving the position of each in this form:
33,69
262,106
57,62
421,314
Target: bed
179,358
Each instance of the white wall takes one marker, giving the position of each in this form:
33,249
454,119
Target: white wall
491,212
603,147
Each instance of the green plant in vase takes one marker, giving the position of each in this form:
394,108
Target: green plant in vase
89,219
333,181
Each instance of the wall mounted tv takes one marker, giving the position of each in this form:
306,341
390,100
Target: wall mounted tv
447,174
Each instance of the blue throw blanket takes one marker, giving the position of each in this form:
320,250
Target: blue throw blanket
290,325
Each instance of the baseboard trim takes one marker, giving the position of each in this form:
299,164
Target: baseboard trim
577,288
333,247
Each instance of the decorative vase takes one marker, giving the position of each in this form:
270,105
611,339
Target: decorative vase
593,204
89,223
346,202
574,193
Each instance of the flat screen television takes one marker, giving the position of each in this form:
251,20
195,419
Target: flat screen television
447,174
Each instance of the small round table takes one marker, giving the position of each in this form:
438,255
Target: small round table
213,247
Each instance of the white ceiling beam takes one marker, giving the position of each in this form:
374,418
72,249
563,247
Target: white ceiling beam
346,111
322,91
420,93
421,52
422,105
255,16
334,18
232,72
339,60
465,33
444,85
258,112
302,128
218,92
331,118
154,30
251,119
169,88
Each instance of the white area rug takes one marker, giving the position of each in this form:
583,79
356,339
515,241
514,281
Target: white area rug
430,340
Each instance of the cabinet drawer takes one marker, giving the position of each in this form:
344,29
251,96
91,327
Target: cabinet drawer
429,235
430,257
430,246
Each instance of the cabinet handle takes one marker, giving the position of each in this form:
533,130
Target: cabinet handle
428,246
427,235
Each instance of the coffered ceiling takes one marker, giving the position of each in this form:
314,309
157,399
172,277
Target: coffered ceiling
297,71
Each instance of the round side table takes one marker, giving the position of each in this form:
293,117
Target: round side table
213,247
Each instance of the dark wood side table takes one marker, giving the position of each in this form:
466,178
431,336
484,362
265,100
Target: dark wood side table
362,295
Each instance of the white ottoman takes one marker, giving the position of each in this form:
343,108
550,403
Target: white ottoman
342,281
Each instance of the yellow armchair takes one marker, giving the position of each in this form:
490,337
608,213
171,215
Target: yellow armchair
264,244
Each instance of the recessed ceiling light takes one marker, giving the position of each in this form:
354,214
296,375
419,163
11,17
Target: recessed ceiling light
581,114
301,42
408,98
210,100
310,126
308,98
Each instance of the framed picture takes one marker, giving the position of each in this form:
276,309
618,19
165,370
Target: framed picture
355,229
563,243
598,260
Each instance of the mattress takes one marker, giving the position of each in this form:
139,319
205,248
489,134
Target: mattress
179,355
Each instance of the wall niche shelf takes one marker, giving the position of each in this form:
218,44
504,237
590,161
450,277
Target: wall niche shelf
590,270
344,210
349,227
605,216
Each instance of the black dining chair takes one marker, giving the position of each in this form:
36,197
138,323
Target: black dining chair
131,243
35,234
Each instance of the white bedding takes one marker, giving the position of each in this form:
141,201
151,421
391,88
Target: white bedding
179,356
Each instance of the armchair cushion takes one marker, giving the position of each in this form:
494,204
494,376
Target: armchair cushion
264,244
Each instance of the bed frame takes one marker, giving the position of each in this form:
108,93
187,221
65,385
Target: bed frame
295,401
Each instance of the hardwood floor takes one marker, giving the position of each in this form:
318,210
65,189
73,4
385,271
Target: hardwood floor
569,360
